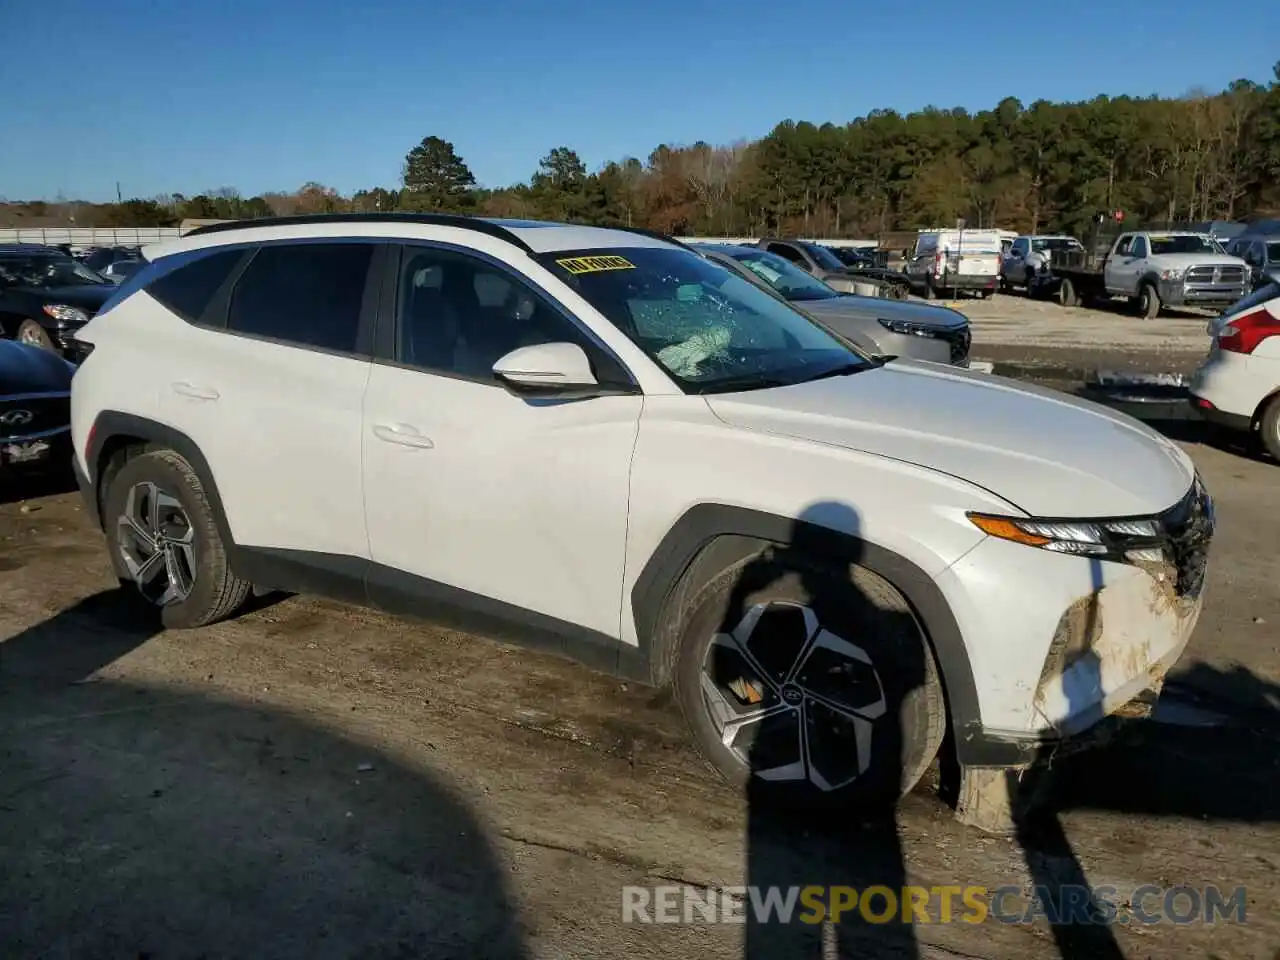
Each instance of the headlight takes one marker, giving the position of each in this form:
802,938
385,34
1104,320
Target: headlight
907,327
65,314
1173,274
1121,540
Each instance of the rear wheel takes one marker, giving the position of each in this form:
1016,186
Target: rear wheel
1269,427
32,334
809,684
1067,295
165,543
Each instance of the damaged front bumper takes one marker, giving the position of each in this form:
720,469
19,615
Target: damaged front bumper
1066,648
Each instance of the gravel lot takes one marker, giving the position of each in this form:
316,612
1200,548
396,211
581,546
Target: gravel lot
314,780
1030,334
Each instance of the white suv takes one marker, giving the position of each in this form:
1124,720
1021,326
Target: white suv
598,442
1238,384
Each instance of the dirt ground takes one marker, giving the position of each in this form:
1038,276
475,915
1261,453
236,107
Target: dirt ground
1030,334
314,780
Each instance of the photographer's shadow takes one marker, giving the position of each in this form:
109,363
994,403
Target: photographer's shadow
832,658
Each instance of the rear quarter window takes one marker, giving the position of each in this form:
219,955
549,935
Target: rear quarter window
187,289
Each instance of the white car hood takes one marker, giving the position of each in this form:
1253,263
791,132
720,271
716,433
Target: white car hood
1046,453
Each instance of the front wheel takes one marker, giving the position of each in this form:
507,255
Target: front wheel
165,543
809,684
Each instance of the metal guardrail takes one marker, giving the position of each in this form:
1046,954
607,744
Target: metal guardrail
82,237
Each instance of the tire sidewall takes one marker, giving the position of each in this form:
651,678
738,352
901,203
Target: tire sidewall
914,718
174,476
1148,302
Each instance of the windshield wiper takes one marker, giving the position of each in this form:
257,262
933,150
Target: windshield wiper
749,381
843,370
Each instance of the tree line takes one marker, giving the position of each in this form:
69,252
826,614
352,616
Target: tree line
1044,167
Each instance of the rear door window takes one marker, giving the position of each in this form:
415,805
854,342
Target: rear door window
307,294
788,252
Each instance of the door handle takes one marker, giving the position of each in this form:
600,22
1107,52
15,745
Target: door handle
195,392
402,434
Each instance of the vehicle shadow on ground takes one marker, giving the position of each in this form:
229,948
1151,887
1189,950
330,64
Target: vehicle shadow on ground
842,717
141,821
16,487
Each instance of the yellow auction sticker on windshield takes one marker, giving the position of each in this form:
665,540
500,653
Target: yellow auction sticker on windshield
576,265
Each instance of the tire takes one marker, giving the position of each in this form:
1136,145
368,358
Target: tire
986,294
32,333
1269,427
898,693
1067,293
1148,302
190,582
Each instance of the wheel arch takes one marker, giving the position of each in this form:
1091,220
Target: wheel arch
1260,410
114,433
710,537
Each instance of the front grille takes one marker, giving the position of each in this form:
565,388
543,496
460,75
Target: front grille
23,416
1188,527
956,341
1211,274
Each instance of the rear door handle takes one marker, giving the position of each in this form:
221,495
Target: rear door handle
403,434
195,392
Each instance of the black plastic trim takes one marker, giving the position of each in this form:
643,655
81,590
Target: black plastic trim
406,594
110,424
705,523
435,219
87,493
1221,418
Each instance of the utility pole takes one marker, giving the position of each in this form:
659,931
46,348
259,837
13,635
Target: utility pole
118,198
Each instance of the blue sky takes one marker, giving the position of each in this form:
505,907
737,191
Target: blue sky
191,95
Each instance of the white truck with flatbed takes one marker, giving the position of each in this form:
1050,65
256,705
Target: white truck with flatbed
1154,269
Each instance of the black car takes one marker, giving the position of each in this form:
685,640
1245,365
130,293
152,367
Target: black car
99,258
35,409
45,296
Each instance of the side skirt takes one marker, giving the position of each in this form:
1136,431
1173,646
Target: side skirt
364,583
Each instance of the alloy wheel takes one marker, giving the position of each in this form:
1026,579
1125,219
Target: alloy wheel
790,699
157,543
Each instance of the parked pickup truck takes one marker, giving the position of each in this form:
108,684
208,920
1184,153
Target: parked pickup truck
1154,270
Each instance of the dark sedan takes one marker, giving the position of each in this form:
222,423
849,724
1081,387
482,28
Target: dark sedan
45,296
35,408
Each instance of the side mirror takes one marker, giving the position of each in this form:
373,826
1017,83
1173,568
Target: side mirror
546,368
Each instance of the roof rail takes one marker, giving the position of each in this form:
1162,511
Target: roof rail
438,219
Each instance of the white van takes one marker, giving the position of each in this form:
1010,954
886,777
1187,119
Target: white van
953,260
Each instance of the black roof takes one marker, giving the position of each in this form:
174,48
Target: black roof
27,249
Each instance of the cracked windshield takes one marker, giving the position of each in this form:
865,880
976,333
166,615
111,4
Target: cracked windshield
711,330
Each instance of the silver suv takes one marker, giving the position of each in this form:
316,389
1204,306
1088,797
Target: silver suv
893,328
